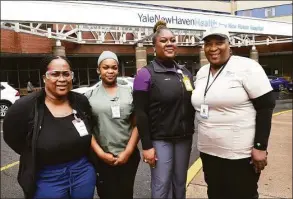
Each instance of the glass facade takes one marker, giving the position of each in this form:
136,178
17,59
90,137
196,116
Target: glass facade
18,70
267,12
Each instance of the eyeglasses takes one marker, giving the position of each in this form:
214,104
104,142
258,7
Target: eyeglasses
55,75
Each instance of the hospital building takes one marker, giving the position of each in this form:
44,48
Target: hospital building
81,30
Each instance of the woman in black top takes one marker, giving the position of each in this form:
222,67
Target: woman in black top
162,92
53,137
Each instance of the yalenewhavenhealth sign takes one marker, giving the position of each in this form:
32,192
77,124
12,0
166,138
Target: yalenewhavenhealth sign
201,22
99,13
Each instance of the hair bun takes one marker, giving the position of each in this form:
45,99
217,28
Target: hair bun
159,25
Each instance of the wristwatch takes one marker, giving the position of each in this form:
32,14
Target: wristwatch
260,146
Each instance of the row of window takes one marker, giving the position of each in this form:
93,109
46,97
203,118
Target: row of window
180,8
17,71
268,12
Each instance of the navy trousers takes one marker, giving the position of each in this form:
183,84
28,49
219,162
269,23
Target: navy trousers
76,179
169,175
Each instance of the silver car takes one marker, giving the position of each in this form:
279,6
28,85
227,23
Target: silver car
125,81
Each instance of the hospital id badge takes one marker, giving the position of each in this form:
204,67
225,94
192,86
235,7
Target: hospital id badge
187,83
204,111
80,127
115,111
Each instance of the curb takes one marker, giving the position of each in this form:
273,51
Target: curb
193,170
284,101
282,112
197,165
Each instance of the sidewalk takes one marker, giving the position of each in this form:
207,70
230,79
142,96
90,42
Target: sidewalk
276,179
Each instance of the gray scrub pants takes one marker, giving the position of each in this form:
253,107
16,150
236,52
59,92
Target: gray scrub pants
169,175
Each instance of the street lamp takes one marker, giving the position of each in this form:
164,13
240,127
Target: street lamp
58,43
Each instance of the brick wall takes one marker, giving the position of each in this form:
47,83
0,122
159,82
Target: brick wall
285,47
22,43
10,42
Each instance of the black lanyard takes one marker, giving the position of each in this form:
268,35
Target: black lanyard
207,86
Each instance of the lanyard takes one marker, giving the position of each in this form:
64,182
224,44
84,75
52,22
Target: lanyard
75,117
207,86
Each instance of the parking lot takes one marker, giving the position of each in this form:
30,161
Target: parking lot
9,164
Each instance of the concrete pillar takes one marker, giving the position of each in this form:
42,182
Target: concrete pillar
58,51
202,57
233,7
141,56
254,54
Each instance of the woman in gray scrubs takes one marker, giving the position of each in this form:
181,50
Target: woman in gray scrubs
115,133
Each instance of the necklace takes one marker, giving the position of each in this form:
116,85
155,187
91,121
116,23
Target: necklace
62,114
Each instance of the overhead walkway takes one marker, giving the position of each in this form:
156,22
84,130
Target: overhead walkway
88,22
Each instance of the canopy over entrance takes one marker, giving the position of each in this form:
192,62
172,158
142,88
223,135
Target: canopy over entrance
126,24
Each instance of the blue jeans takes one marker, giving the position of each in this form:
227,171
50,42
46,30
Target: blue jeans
76,179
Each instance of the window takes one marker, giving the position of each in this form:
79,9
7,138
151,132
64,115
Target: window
270,12
247,13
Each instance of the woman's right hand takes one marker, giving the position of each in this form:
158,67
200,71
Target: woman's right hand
109,159
150,157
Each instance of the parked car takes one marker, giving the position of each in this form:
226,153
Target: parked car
8,96
278,83
126,81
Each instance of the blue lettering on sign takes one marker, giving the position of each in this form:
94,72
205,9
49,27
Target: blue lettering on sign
231,25
177,20
243,27
204,23
257,28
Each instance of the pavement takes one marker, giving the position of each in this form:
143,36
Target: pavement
276,179
9,169
195,189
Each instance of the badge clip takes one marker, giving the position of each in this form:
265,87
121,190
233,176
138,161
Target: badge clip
74,115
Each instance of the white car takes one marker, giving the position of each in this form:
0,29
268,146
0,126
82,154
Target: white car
127,81
8,96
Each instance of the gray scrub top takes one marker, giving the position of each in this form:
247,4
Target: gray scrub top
112,134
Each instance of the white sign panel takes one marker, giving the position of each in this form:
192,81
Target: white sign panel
99,13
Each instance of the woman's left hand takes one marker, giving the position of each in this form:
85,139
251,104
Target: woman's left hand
259,159
122,158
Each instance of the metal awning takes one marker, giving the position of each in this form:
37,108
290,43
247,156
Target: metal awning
126,24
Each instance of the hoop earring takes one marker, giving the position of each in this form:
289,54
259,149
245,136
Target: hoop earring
155,52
